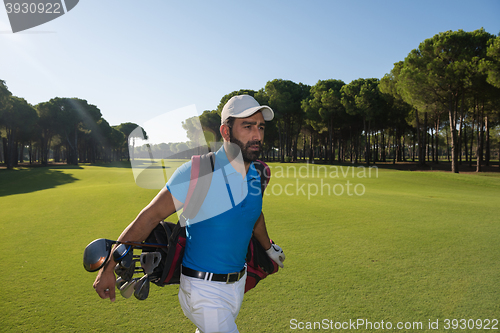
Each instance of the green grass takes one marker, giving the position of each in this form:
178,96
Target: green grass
414,247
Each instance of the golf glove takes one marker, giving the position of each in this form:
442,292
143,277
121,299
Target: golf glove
276,254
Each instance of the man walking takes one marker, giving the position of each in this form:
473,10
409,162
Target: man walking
213,268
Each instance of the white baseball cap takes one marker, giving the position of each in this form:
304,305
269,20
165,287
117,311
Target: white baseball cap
243,106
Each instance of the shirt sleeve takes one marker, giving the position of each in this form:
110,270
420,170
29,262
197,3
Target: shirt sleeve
178,184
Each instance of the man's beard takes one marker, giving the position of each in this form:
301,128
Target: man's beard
248,155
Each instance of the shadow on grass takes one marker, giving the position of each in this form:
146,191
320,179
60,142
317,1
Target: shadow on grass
33,179
122,164
141,164
443,166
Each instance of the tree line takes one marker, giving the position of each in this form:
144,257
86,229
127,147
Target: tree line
442,100
70,129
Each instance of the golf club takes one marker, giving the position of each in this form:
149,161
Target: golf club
121,251
120,282
126,273
123,255
142,288
140,245
149,261
96,254
127,289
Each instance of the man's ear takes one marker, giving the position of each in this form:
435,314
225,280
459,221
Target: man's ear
224,131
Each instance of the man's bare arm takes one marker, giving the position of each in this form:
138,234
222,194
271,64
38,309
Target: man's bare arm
273,251
260,232
162,206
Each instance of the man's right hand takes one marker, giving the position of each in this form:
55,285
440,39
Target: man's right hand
104,284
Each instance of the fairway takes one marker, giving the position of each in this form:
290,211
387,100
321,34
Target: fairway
369,244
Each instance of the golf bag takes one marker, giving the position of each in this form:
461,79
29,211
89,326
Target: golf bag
168,270
259,265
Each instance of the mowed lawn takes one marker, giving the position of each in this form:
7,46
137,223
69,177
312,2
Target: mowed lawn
362,245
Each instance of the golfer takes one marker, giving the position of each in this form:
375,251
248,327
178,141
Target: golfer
213,267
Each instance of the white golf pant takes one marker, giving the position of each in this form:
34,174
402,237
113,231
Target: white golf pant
211,306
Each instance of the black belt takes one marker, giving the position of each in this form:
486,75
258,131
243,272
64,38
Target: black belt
228,278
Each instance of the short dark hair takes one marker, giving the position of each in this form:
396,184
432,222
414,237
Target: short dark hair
229,122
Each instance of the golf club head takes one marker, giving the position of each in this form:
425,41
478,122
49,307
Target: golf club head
120,251
123,255
120,282
149,261
125,273
142,288
127,289
96,254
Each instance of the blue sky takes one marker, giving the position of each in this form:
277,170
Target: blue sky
137,60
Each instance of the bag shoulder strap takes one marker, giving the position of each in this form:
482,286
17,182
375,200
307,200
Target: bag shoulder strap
202,167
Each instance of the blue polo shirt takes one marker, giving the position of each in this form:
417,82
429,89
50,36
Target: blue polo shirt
218,237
